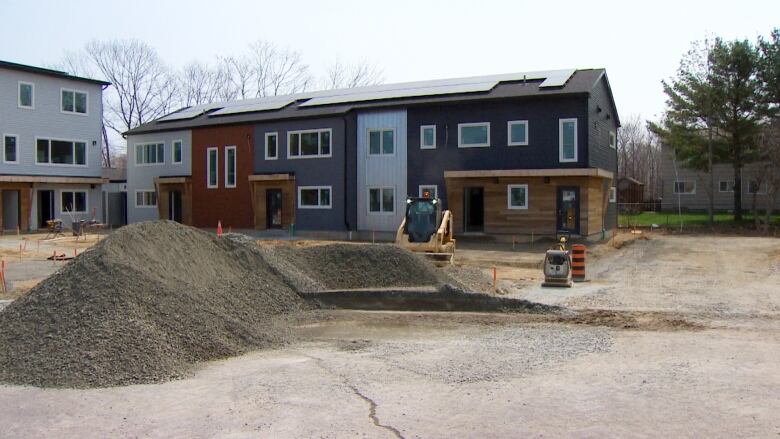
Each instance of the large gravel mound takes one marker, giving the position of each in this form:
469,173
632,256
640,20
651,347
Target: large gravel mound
353,266
143,306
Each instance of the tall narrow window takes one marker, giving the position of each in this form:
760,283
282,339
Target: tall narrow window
271,146
10,149
177,153
567,138
612,140
230,166
211,168
26,95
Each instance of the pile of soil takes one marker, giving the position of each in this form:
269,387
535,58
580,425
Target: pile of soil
143,306
354,266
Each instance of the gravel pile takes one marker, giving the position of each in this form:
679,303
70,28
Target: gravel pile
143,306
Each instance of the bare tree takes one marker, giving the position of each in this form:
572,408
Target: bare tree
239,72
639,155
360,74
201,83
277,70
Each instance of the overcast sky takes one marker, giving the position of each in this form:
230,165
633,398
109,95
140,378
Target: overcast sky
639,43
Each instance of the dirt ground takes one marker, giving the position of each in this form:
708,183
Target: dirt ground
673,336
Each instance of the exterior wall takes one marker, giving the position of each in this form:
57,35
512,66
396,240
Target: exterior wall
163,200
723,201
427,166
231,206
47,121
381,171
141,177
288,202
334,171
94,203
600,154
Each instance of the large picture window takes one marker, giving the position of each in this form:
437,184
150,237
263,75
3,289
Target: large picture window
73,101
567,138
309,143
381,200
472,135
381,142
149,153
314,197
73,201
60,152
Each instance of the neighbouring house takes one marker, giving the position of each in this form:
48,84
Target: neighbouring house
115,197
516,153
51,126
688,189
630,190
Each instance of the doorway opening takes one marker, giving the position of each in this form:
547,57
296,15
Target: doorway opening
474,209
45,207
273,208
569,210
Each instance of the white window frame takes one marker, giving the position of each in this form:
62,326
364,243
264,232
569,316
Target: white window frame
729,183
74,191
208,168
173,151
15,136
422,187
319,154
561,123
145,206
319,197
509,188
50,163
381,142
381,206
19,95
612,194
674,187
612,139
422,136
235,166
509,125
74,91
473,145
276,134
763,185
144,144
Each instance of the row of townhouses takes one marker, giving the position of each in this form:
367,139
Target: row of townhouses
518,153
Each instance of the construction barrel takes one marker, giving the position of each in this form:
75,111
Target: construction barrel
578,263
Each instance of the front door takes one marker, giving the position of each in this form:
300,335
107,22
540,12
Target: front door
569,210
273,208
174,206
45,207
474,209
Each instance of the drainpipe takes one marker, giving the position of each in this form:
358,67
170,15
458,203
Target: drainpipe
346,170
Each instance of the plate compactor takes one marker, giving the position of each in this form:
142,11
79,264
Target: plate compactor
557,265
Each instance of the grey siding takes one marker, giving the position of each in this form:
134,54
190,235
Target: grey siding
141,177
94,203
427,166
316,171
600,154
381,171
46,120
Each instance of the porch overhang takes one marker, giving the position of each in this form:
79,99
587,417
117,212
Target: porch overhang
172,180
554,172
271,177
51,179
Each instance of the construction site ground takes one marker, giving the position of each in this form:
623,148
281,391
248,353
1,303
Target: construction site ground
675,336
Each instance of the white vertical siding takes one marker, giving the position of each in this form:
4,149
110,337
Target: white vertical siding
381,171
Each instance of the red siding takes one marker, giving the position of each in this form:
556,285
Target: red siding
232,206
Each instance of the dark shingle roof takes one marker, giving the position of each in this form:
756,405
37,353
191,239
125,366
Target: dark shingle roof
48,72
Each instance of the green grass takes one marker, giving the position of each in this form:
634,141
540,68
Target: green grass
672,219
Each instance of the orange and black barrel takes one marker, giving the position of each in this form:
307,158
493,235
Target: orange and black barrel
578,263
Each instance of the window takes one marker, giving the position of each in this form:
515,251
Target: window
613,194
212,156
381,142
314,197
149,153
428,137
10,149
428,191
271,146
473,134
309,143
60,152
145,198
755,188
567,135
517,196
517,133
26,95
381,200
612,140
74,201
685,187
230,166
726,186
73,101
177,145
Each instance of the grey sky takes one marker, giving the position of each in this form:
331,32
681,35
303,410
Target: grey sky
638,43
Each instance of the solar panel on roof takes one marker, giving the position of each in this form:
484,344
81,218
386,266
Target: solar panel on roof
183,114
401,93
257,105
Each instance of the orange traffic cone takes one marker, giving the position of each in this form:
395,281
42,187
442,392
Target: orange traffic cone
219,228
